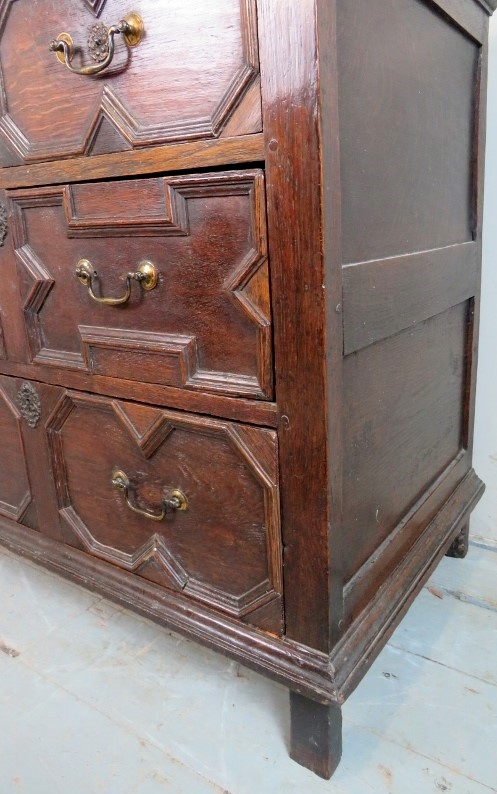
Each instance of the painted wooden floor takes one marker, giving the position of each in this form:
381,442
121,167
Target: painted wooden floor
97,700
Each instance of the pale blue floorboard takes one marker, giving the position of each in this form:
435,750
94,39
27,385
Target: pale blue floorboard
463,638
101,700
34,602
440,713
57,744
473,579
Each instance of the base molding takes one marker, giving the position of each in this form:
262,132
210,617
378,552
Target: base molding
301,669
305,671
365,638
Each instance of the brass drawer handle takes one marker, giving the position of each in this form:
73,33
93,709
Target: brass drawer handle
146,275
174,500
100,43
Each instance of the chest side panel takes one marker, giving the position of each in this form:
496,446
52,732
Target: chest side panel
409,90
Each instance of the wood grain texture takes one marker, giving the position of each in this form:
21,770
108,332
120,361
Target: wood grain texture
403,425
300,668
367,635
171,157
320,502
316,735
303,670
407,97
26,458
206,325
383,297
147,96
15,489
479,139
252,411
363,585
304,289
224,550
13,341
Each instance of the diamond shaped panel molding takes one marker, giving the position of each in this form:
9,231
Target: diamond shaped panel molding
225,550
118,111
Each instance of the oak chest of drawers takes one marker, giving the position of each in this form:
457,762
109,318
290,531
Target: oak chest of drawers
240,247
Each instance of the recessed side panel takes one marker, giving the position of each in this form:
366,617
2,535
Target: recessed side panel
407,76
404,426
409,87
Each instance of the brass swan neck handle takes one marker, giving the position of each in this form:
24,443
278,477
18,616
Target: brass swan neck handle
100,44
146,275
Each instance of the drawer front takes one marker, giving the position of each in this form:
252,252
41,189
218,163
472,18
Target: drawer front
193,75
187,502
206,323
20,411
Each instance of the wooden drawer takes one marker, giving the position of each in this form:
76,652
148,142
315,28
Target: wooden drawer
193,75
206,324
223,549
16,493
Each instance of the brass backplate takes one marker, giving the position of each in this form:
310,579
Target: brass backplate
135,29
85,271
180,496
68,40
150,274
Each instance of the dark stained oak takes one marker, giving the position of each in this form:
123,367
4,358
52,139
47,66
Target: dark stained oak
305,293
385,296
308,179
15,489
290,663
223,549
467,15
191,70
388,392
362,587
207,323
169,157
380,615
389,91
256,412
316,734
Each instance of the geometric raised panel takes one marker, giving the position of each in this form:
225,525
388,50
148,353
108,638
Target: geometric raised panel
15,494
225,550
207,324
146,97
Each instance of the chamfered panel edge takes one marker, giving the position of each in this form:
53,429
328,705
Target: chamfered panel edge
488,5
